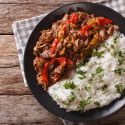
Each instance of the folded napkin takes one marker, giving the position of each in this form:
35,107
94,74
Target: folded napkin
23,28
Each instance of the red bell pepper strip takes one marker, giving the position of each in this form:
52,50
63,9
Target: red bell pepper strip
85,29
45,73
74,18
103,21
64,28
54,45
46,66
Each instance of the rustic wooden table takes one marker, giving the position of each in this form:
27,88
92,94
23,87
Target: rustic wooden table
17,104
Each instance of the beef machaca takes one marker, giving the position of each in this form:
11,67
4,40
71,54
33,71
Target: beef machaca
67,43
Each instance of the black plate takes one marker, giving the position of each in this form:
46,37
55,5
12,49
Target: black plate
43,97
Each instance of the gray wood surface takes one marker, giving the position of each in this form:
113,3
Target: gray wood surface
17,105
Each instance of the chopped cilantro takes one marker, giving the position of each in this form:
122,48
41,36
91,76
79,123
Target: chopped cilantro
116,39
69,85
71,98
120,57
119,88
99,70
82,73
97,103
97,53
82,77
120,61
120,53
84,102
112,46
104,87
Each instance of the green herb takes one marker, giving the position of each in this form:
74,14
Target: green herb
71,98
84,103
66,103
99,70
82,73
103,45
82,77
97,103
119,70
120,61
121,57
106,48
120,53
104,87
112,46
69,85
116,39
91,80
119,88
97,53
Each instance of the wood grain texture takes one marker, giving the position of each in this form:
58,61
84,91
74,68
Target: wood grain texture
24,109
11,81
47,2
13,10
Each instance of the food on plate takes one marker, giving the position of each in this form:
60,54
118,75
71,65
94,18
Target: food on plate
80,61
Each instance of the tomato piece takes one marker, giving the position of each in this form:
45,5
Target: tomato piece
45,73
103,21
45,78
54,45
64,29
74,18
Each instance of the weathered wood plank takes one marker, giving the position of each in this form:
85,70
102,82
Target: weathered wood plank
40,1
11,81
18,10
24,109
8,52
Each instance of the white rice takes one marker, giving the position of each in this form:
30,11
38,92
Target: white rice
98,82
